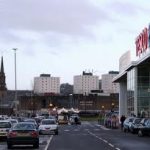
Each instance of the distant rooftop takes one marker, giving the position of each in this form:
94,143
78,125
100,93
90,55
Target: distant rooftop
45,75
87,73
113,72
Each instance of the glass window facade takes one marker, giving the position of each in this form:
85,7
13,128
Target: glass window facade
143,91
130,91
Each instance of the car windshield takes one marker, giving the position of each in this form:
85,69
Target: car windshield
51,117
131,119
13,121
5,125
24,127
46,122
137,120
30,120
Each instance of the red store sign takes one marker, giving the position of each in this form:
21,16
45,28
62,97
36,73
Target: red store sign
142,42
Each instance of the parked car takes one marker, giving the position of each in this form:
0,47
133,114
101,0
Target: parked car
48,126
23,133
134,125
143,121
5,125
127,124
144,129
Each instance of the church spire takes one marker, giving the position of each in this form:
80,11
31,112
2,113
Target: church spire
2,65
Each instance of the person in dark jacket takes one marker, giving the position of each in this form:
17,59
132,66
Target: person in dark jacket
122,119
76,120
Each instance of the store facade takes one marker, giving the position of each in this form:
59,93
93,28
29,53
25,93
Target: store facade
134,79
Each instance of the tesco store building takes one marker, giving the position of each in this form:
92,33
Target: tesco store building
134,79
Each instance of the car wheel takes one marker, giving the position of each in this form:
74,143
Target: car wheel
56,132
128,130
132,131
9,146
40,132
36,145
140,133
124,129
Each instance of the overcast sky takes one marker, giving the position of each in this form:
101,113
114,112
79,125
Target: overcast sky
65,37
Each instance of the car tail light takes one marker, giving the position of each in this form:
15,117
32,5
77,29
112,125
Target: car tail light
34,134
12,134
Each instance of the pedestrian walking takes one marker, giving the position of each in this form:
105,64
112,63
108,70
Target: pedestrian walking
122,119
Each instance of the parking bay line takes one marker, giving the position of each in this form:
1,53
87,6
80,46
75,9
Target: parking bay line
48,142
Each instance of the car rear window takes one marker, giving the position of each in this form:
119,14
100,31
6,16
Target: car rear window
29,121
46,122
5,125
24,127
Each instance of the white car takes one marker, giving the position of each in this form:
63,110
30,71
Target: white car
48,126
5,125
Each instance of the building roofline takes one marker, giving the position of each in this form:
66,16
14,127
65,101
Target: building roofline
130,66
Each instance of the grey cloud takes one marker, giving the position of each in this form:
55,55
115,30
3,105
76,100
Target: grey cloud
62,16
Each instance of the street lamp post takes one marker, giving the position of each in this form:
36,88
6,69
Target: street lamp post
71,103
85,102
50,108
16,102
112,107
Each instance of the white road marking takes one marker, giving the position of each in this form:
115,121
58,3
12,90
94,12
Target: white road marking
102,140
102,127
98,125
111,145
105,141
66,130
48,142
97,129
86,129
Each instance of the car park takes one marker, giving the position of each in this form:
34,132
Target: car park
5,125
48,126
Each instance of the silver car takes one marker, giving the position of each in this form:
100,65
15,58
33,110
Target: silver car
48,126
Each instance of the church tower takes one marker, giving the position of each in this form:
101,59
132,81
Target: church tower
3,89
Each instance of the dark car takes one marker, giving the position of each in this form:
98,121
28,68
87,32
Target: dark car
143,121
134,125
23,133
74,119
127,124
144,129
